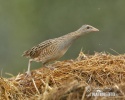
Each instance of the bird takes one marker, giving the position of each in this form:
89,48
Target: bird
53,49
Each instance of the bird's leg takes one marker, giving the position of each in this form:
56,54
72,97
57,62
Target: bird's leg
48,66
28,71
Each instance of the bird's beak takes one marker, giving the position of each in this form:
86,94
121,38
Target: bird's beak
95,29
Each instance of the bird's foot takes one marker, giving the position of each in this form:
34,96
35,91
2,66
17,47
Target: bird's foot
28,74
50,67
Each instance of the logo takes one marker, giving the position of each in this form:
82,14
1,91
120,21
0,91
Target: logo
96,92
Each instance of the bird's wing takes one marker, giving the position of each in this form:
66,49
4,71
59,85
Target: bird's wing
36,50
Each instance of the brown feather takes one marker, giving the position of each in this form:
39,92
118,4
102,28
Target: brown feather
36,50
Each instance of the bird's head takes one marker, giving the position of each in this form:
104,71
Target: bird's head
87,29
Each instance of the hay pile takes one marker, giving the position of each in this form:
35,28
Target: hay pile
70,80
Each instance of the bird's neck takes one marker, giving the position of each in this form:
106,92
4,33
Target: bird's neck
76,34
71,37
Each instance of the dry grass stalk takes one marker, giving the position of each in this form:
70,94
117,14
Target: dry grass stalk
71,80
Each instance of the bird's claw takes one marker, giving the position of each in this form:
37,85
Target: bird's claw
28,74
50,67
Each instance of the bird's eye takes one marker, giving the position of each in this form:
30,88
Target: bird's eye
88,27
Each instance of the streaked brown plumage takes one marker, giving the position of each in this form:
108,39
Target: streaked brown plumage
53,49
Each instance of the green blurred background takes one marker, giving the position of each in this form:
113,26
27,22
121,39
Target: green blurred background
25,23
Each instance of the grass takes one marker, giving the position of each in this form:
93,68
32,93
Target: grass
89,77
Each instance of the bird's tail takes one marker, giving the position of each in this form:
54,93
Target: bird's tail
26,53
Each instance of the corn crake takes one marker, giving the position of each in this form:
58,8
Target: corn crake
53,49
